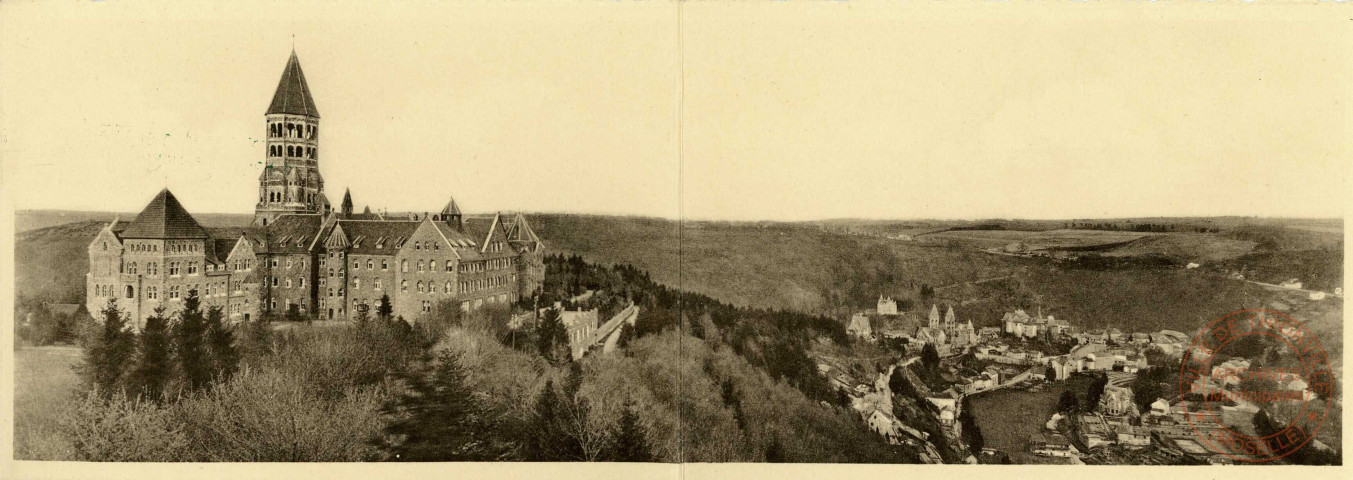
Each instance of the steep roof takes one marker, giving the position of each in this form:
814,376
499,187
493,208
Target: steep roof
376,237
164,217
290,233
293,95
451,208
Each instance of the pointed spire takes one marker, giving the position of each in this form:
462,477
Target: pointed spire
293,95
346,206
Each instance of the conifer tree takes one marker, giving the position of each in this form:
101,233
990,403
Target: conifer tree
546,441
220,338
439,419
384,310
626,336
257,338
551,336
189,336
109,353
154,366
631,438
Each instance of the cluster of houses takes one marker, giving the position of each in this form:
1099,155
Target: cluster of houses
874,404
946,334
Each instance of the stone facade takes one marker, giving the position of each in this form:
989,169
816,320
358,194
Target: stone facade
300,255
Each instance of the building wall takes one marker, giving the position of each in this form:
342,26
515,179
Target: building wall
370,277
427,265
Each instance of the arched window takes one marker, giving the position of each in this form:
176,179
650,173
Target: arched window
130,292
370,264
403,285
420,287
420,266
404,266
447,288
448,265
383,265
356,284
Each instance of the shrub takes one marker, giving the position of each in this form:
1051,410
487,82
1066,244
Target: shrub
269,416
120,429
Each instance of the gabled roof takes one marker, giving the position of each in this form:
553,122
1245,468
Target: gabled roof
380,237
520,231
293,95
164,217
289,233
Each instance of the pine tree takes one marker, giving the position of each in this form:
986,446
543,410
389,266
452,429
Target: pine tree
109,353
384,310
551,336
626,336
257,339
154,365
225,357
194,358
439,419
631,438
546,440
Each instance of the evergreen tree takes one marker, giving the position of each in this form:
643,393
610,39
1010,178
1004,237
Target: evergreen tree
631,438
194,358
109,353
1067,402
930,357
257,339
384,310
225,358
154,365
546,441
439,419
550,336
626,335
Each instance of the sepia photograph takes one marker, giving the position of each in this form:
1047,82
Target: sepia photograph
871,239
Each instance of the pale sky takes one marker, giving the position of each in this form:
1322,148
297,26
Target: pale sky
728,110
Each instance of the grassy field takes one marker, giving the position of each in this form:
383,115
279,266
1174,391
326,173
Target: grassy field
1008,417
1036,239
43,385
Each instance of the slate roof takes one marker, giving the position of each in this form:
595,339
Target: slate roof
451,208
365,235
293,95
164,217
292,233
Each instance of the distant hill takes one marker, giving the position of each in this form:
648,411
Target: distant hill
26,220
804,267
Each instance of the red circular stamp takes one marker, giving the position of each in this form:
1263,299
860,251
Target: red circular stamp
1252,386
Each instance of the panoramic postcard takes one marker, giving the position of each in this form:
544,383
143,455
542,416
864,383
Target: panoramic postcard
715,235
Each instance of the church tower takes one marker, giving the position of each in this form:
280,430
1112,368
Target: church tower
290,182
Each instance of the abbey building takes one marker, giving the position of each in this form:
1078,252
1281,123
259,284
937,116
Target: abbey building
304,257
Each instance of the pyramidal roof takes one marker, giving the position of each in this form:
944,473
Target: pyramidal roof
164,217
451,208
293,95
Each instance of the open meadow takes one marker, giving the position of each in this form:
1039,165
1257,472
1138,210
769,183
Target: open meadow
44,385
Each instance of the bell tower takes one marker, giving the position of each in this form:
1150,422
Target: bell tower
290,182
